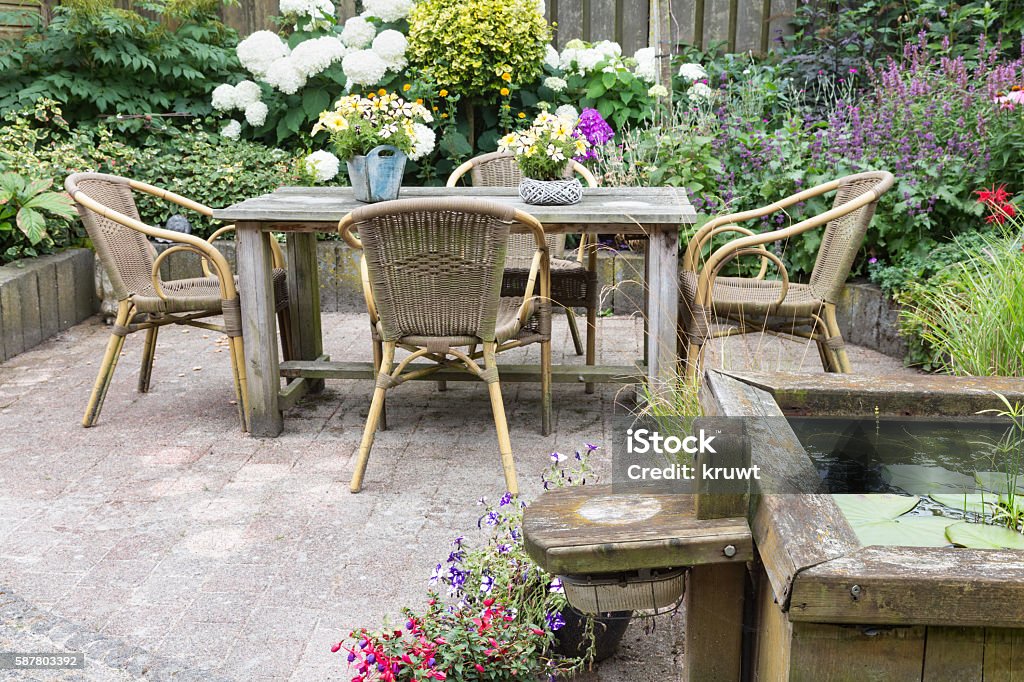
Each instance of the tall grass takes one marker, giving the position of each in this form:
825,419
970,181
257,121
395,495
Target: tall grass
973,315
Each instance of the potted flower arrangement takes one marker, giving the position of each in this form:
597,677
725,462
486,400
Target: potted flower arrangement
492,613
375,135
543,152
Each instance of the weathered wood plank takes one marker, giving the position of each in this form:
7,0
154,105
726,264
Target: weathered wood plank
830,653
774,635
49,315
664,207
591,530
662,306
259,329
570,20
292,393
954,654
854,394
911,585
1004,655
86,300
602,20
714,623
683,21
562,374
66,295
304,301
716,23
28,291
635,26
748,27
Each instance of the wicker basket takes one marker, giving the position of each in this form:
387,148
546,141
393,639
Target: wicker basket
646,590
550,192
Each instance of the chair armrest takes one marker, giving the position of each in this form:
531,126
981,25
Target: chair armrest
706,280
198,245
696,247
166,195
345,231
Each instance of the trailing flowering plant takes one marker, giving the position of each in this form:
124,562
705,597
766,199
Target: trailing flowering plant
358,124
544,150
492,612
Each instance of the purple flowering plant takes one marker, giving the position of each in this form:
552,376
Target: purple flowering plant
493,614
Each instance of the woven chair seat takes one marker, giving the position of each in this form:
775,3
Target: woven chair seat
199,294
506,329
735,295
572,284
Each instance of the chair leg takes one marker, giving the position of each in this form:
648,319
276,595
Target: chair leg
591,341
501,424
837,345
694,361
545,387
148,351
284,323
442,386
378,358
574,330
106,373
824,354
372,419
237,349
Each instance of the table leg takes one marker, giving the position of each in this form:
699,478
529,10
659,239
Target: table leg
304,300
662,304
259,328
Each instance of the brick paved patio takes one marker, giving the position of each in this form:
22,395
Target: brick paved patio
165,530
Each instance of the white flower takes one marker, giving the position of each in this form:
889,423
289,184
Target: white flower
700,91
609,48
588,59
364,67
555,83
692,72
260,50
567,58
232,130
284,76
646,64
311,57
423,141
323,166
657,90
551,56
246,93
390,45
542,8
256,114
568,112
358,33
223,97
387,10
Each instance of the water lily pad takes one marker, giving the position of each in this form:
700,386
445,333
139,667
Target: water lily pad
911,531
860,509
981,536
976,503
922,480
998,482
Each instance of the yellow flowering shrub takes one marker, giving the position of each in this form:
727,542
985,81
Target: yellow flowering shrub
476,46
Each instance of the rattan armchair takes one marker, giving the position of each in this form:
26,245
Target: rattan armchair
145,300
573,281
746,305
432,280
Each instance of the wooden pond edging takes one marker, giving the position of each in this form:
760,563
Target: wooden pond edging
828,609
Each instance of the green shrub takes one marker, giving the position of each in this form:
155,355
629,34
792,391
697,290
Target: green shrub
33,219
470,46
102,61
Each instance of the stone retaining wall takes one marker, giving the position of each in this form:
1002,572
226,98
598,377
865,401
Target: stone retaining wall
42,296
869,318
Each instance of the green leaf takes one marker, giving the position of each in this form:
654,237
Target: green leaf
608,80
528,98
912,531
57,204
923,479
455,145
860,509
315,101
32,224
981,536
605,108
975,503
596,90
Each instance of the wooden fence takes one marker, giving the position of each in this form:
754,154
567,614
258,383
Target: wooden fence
750,25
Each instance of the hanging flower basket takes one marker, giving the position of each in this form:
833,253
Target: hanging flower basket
378,175
550,192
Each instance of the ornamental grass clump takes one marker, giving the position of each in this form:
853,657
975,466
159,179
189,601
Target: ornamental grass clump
358,124
544,150
492,613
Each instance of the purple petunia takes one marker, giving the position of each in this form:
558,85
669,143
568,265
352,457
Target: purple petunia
554,620
595,130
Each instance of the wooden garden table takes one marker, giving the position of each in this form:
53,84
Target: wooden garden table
301,212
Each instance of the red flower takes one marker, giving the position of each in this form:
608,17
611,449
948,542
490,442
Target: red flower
479,668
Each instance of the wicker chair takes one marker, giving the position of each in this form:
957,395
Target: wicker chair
758,305
432,280
146,301
573,281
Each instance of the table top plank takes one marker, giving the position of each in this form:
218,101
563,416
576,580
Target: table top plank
648,206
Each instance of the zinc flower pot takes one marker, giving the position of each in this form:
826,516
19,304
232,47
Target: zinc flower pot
378,175
571,640
550,192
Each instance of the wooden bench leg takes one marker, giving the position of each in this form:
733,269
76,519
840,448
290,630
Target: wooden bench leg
714,623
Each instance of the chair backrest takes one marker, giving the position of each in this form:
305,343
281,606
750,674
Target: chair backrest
499,169
843,235
435,265
126,254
